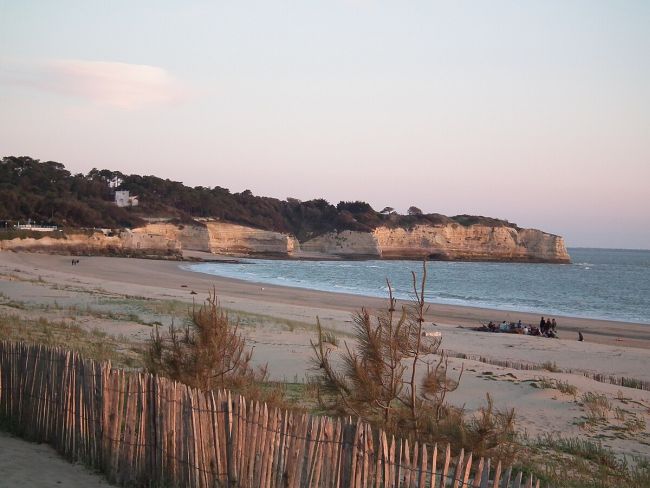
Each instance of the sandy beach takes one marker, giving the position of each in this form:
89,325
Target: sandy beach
172,280
279,322
18,459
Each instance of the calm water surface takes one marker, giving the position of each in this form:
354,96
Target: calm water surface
601,283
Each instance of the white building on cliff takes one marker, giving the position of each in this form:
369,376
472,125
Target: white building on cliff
123,199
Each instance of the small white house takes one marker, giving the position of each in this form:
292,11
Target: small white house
123,199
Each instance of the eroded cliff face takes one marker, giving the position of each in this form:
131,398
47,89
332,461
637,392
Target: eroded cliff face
445,242
237,239
448,242
345,244
475,243
190,237
224,238
125,243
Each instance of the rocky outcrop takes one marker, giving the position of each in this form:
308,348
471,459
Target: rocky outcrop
191,237
347,244
125,243
445,242
237,239
224,238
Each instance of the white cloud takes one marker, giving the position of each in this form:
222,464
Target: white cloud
122,85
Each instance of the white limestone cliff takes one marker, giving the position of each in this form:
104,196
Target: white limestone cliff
446,242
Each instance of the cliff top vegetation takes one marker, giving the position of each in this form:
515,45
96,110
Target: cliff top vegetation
47,193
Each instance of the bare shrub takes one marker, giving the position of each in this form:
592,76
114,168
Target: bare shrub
492,431
397,379
209,352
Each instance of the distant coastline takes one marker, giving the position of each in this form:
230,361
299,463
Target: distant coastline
110,213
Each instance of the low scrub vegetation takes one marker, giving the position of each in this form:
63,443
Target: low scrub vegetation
93,343
397,379
560,385
208,352
580,462
597,406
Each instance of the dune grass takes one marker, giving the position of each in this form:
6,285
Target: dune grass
93,343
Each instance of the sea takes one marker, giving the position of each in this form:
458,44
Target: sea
611,284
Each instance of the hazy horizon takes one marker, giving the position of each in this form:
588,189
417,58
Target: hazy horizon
538,112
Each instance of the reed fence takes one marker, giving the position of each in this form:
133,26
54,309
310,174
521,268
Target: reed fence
143,430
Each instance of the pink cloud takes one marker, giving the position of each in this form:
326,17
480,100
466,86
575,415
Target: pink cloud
121,85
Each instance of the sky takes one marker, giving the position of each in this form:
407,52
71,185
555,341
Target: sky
537,112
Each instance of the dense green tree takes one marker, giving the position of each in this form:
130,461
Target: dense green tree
414,211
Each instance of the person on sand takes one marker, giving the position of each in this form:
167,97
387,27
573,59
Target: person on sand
542,325
504,327
553,325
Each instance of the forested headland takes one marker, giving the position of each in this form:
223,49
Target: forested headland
47,193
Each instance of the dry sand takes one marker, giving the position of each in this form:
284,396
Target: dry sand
26,464
611,348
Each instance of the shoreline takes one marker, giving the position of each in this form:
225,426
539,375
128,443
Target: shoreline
487,307
177,282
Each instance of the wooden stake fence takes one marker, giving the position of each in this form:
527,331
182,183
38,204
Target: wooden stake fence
142,430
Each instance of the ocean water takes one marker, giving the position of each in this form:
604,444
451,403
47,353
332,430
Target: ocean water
600,283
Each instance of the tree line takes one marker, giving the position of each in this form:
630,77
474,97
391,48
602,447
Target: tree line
47,193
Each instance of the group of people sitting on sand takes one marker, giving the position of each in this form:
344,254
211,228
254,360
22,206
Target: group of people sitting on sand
547,328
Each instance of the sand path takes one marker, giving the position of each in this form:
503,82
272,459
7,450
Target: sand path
26,464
